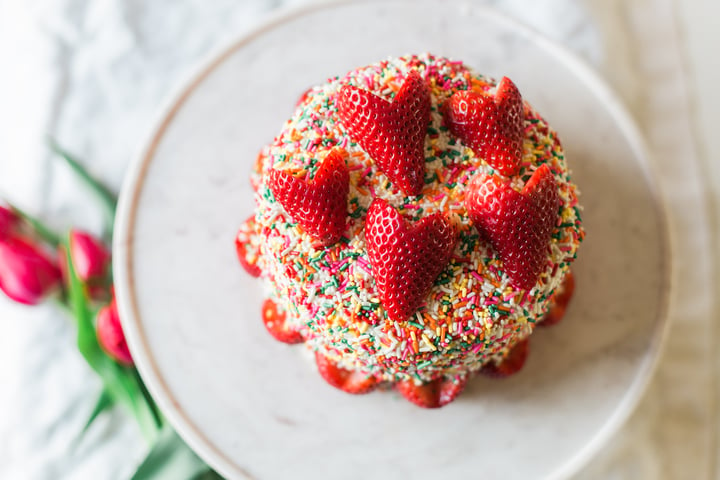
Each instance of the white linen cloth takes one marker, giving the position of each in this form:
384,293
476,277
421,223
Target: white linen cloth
93,74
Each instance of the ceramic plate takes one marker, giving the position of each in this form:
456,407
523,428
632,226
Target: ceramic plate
255,408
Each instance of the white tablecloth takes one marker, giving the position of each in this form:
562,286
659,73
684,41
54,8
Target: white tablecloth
93,74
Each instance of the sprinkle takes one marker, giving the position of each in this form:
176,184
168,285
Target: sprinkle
414,341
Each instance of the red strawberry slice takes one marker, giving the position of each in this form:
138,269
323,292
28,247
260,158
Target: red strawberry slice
318,205
433,394
275,322
511,364
257,171
304,96
349,381
246,252
559,301
517,224
406,260
392,133
492,125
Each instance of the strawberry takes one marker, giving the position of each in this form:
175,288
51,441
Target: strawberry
517,224
247,254
304,96
433,394
511,364
257,171
559,301
491,125
392,133
275,322
346,380
406,260
318,205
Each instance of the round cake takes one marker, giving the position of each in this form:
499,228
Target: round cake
414,220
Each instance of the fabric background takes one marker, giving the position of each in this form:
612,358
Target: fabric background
93,74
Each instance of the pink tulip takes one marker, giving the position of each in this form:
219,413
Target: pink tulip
110,334
8,221
89,256
27,274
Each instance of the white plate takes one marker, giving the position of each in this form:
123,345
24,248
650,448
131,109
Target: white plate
254,408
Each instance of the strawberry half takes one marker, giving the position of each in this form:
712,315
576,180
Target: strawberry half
559,301
511,364
433,394
304,96
257,171
392,133
406,260
346,380
517,224
275,322
491,125
247,254
318,205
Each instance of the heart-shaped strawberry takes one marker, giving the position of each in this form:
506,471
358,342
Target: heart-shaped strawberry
492,125
406,260
392,133
517,224
318,205
433,394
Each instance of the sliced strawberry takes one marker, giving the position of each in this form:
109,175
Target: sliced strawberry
318,205
246,252
517,224
304,96
511,364
492,125
275,322
346,380
392,133
433,394
405,259
257,171
559,301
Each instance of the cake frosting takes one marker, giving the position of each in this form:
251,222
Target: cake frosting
473,313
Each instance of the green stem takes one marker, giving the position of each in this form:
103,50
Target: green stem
104,402
107,197
158,419
40,228
122,383
171,459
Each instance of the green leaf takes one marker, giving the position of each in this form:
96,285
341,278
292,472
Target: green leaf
40,228
122,383
210,474
171,459
104,194
104,402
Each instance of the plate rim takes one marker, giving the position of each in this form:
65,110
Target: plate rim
134,180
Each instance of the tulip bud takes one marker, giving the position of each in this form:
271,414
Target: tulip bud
89,256
27,275
8,221
110,334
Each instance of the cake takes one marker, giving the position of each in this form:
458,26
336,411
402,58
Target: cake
414,222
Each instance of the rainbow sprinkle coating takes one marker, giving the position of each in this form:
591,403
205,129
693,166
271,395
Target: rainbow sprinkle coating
472,315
